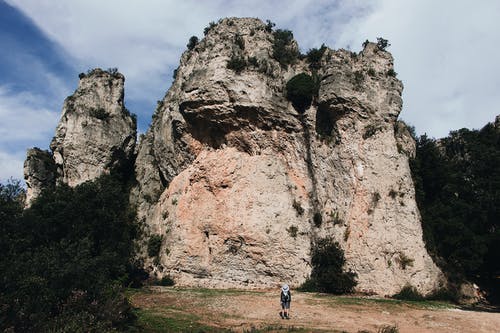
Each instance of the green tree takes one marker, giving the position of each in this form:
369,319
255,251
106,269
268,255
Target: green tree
300,90
65,258
283,49
193,41
328,275
457,184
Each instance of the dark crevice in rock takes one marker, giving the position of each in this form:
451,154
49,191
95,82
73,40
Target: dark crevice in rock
313,199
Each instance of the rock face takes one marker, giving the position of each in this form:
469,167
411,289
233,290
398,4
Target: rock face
95,134
239,184
39,172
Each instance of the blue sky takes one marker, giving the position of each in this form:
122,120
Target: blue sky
446,54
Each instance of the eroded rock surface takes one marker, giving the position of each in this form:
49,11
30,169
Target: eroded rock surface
95,134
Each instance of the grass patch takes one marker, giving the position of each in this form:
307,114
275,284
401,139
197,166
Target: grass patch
152,321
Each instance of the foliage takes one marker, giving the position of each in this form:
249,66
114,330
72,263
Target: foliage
314,56
64,258
238,40
317,219
457,182
236,63
298,207
269,26
327,275
359,78
382,43
112,70
391,73
300,90
154,245
292,231
404,261
211,25
409,293
283,49
99,113
193,41
165,281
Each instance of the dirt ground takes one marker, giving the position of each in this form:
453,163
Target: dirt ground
251,310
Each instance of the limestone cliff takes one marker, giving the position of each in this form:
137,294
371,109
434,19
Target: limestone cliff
238,183
95,134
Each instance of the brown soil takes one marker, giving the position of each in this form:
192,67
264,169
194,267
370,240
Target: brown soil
242,310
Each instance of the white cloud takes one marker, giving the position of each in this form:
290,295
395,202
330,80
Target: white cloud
445,54
145,39
24,119
11,166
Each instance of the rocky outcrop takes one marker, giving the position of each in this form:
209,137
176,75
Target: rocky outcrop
95,134
239,184
39,173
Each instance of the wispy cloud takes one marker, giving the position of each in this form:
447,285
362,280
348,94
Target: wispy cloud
445,53
11,165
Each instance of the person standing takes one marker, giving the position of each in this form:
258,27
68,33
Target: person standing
286,298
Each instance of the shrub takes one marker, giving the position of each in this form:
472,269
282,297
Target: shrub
314,56
300,91
211,25
327,274
298,207
335,218
391,72
409,293
236,63
252,61
359,78
238,40
382,43
166,281
317,219
404,260
193,41
154,245
269,26
371,72
292,231
112,70
370,130
99,113
283,50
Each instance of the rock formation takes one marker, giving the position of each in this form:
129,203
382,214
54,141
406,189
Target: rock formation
95,134
238,183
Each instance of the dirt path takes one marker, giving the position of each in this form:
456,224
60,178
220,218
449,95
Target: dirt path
243,310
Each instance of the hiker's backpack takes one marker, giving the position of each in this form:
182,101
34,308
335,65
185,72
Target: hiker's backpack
286,296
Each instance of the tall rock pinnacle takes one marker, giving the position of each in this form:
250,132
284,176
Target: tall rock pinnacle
95,134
